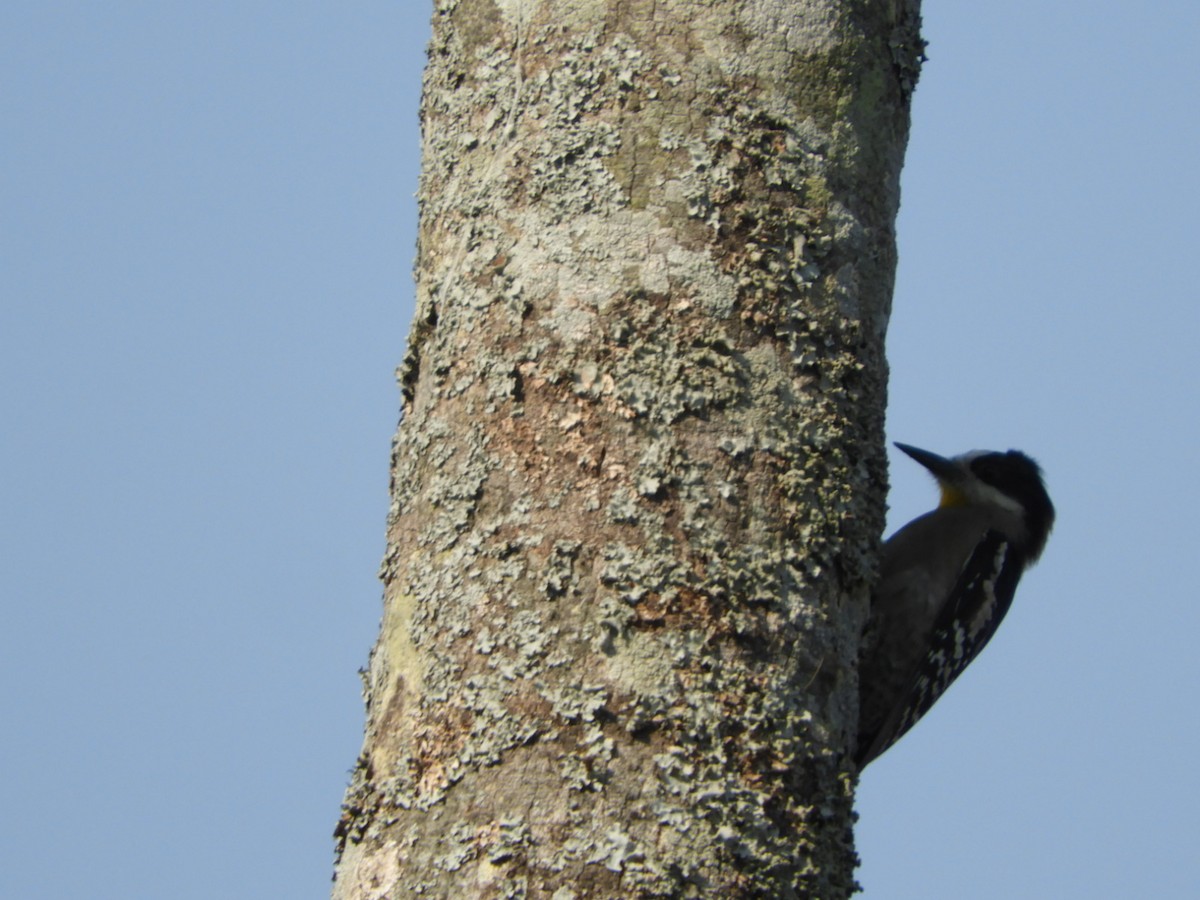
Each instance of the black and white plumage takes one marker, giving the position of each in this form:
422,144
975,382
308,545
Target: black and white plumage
947,579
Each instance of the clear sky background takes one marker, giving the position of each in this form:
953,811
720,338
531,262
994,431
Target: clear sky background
206,235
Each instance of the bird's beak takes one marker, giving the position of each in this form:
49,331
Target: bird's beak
944,470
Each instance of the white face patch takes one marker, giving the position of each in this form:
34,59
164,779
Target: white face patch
979,492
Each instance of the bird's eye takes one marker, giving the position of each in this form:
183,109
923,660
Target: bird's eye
988,467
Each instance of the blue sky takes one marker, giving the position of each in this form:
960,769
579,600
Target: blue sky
206,235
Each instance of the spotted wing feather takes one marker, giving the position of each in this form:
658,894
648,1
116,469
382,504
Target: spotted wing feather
980,599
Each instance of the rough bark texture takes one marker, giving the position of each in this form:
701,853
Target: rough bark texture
639,481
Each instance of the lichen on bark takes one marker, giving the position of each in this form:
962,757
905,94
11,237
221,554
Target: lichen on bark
637,489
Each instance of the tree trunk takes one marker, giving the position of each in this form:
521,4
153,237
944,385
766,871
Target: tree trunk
639,481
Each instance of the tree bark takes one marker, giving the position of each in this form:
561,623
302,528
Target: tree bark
639,481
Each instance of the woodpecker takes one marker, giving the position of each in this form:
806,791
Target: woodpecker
946,580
